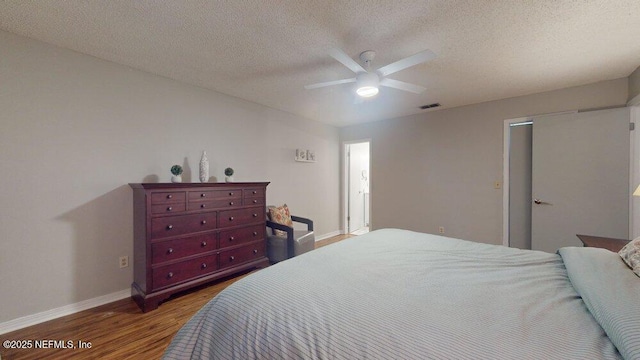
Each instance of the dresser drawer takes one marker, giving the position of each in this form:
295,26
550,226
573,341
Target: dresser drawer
253,196
167,197
215,204
182,224
201,195
253,193
241,236
174,273
167,208
175,249
229,218
242,254
205,195
254,201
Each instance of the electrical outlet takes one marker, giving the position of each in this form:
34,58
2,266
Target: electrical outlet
124,261
441,229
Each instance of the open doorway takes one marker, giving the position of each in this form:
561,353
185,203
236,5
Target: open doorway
357,187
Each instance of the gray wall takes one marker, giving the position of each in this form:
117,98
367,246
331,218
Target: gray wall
634,84
520,186
439,168
76,130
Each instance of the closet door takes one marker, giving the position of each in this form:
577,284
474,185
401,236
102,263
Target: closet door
580,181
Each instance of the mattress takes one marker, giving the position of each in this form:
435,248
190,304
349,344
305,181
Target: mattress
398,294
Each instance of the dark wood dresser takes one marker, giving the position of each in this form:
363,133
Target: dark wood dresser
611,244
187,234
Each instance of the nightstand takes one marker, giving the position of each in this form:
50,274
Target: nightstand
611,244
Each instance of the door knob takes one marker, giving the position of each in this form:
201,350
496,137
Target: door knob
540,202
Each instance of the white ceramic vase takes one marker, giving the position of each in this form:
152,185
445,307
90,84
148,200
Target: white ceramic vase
176,178
204,168
228,178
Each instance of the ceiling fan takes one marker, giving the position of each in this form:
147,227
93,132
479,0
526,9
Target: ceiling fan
368,80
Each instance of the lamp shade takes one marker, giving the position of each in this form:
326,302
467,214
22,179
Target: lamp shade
637,192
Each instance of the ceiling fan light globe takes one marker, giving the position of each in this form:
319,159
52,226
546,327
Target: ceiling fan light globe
367,91
367,84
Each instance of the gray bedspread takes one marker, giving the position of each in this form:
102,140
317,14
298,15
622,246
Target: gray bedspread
397,294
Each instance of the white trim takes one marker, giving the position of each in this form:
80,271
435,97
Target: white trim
41,317
634,169
329,235
632,135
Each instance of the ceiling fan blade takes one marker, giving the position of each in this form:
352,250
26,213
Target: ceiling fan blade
346,60
329,83
410,61
401,85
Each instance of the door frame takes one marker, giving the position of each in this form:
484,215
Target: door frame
345,184
506,144
634,168
506,157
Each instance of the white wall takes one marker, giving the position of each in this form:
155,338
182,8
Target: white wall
439,168
75,130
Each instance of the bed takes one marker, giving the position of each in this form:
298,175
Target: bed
398,294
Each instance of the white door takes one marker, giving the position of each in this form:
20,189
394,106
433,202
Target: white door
358,185
580,177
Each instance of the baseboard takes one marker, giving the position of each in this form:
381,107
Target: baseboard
29,320
41,317
328,235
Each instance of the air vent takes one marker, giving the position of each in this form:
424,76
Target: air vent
429,106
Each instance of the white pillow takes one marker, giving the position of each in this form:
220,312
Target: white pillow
630,253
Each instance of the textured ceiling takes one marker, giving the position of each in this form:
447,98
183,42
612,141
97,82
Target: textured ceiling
265,51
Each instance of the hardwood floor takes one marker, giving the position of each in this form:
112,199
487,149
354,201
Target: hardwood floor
118,330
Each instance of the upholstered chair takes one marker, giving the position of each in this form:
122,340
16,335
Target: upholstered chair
283,241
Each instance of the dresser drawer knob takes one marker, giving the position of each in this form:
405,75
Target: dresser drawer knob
170,275
202,206
255,215
231,238
203,244
254,192
255,201
231,258
255,233
203,266
230,194
203,195
169,208
203,222
169,196
255,251
230,203
170,251
169,227
230,218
